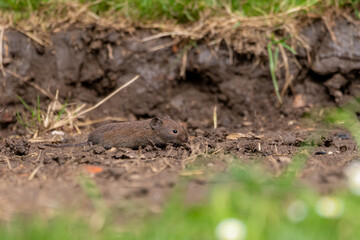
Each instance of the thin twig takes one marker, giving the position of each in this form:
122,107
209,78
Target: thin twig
34,85
32,175
75,116
217,151
2,30
166,34
328,26
288,76
184,63
215,117
7,160
99,120
165,45
36,39
110,51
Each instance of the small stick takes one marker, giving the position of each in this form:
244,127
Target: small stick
108,97
32,175
2,30
328,26
165,34
165,45
168,164
34,85
110,50
215,118
7,161
217,151
96,105
288,76
116,119
184,63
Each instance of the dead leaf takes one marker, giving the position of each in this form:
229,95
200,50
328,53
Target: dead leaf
235,136
299,101
247,123
93,169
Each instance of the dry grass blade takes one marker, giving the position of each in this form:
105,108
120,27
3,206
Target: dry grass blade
34,85
184,63
217,151
215,118
7,160
110,96
165,45
191,173
288,76
110,50
166,34
328,26
77,114
116,119
32,175
2,30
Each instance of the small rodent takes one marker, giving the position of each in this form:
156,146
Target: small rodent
157,131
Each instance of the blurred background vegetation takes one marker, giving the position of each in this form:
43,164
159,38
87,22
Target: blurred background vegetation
184,10
244,203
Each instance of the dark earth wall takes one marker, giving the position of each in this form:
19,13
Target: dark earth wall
86,64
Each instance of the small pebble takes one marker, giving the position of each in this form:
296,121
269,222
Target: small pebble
98,149
60,133
343,135
320,153
199,132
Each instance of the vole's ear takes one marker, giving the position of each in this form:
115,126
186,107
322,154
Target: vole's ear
156,123
166,117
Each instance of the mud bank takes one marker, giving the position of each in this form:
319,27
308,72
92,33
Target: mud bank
85,64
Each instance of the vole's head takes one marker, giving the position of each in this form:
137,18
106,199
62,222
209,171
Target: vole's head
169,130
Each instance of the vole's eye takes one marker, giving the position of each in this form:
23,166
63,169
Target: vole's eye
174,131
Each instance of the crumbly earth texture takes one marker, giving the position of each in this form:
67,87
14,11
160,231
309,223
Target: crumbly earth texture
85,64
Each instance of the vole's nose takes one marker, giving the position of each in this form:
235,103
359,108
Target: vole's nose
184,138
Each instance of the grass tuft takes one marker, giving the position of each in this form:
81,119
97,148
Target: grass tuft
58,115
185,10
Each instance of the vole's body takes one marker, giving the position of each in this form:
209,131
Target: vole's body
156,131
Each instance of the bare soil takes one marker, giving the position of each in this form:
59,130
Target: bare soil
86,63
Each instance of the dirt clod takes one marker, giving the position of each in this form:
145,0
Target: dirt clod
17,146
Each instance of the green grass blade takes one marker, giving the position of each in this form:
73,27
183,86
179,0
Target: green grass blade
24,103
27,107
276,57
272,65
288,48
19,119
62,110
38,109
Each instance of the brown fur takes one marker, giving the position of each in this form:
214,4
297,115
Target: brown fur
156,131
